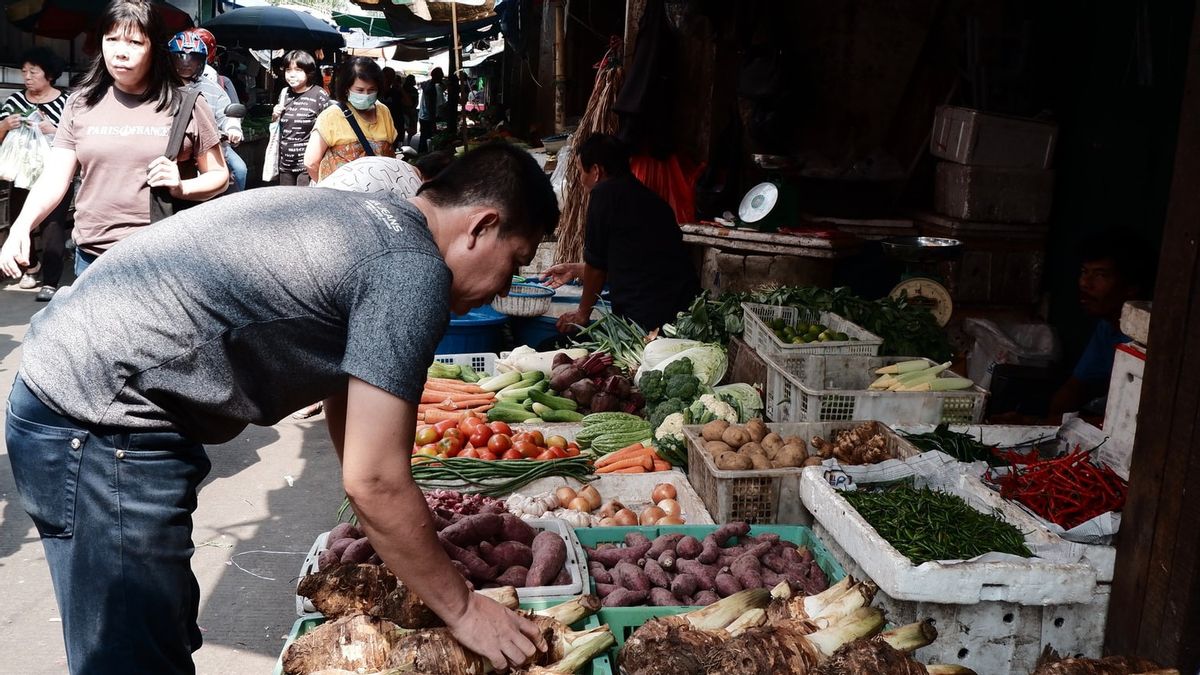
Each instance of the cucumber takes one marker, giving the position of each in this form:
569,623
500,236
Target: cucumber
552,401
533,377
508,413
500,381
541,409
596,418
520,393
551,415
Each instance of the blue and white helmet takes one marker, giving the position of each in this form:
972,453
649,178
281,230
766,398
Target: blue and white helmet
188,42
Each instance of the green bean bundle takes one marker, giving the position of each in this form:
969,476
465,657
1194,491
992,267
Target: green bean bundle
494,479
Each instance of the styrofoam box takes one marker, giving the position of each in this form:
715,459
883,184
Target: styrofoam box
968,136
993,637
575,565
993,194
1121,411
831,388
633,490
1135,320
480,362
1025,582
1075,432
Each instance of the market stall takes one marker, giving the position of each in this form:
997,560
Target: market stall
633,500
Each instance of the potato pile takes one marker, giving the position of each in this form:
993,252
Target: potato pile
864,444
753,446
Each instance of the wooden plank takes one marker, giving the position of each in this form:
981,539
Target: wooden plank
769,249
777,238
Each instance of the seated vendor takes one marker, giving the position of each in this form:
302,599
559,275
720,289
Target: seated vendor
1115,270
631,240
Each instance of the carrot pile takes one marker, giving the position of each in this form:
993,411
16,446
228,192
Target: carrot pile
635,458
445,399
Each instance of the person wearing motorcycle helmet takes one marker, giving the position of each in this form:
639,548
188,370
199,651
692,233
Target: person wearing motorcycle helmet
210,67
189,53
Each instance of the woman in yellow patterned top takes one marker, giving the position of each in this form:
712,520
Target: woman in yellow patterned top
333,142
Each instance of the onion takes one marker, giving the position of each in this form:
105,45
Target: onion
625,517
670,507
670,520
580,504
652,514
610,509
565,495
607,522
592,495
662,491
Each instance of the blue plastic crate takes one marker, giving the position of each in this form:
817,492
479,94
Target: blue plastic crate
473,332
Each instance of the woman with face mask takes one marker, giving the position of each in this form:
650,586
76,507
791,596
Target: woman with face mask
336,141
300,104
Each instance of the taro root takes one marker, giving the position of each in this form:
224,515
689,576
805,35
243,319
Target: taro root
356,642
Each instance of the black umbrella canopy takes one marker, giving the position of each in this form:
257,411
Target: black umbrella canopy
273,28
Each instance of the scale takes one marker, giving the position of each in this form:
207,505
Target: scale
921,282
772,204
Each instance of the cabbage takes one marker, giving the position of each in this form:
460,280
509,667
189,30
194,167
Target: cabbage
708,363
743,397
664,348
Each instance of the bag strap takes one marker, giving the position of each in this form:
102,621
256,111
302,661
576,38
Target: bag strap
179,125
349,115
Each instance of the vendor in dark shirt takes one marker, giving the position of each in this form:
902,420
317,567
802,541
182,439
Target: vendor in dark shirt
631,241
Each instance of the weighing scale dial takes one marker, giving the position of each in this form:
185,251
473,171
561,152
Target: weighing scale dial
927,293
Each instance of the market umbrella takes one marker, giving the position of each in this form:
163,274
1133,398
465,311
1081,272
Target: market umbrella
64,19
273,28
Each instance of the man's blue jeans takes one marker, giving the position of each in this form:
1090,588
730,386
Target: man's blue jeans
237,168
114,510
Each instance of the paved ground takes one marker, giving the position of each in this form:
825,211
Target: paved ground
271,491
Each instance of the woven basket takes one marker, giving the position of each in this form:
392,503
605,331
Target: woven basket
524,300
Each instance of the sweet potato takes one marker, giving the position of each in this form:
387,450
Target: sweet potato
747,570
688,547
474,529
629,575
684,584
507,554
342,531
358,551
339,547
609,557
514,529
563,578
549,556
656,574
604,590
637,539
667,560
624,597
774,562
328,558
727,585
704,598
711,552
662,543
599,573
661,597
477,568
724,533
514,576
705,575
439,522
759,548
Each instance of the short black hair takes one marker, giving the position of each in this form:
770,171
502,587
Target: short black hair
304,61
357,68
45,59
607,151
1133,258
504,176
432,164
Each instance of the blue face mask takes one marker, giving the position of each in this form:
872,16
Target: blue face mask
361,101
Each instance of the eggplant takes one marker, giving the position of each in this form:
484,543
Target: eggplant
605,402
582,392
618,386
564,377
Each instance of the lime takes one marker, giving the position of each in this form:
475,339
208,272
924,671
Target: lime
801,327
841,337
798,340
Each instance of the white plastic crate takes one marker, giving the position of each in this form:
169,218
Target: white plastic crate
830,388
994,637
481,363
633,490
575,565
1056,576
763,340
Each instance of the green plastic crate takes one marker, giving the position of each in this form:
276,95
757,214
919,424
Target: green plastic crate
601,665
624,620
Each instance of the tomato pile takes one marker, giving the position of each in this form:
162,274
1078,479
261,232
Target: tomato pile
475,437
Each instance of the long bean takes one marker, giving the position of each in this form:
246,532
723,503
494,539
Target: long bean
925,525
491,478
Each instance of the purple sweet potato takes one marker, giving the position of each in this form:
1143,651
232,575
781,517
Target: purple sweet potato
477,568
599,573
549,556
628,575
661,597
748,571
358,551
515,529
343,531
724,533
506,554
711,551
662,544
705,598
684,584
774,562
706,577
609,557
474,529
727,585
439,522
563,578
636,539
688,547
339,547
328,559
603,590
771,578
759,549
624,597
656,574
667,560
514,576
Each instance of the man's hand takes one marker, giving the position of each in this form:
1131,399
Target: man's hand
563,273
235,137
570,322
496,633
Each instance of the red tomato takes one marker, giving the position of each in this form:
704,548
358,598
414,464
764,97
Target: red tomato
453,432
426,434
469,424
572,451
520,436
444,425
549,454
500,428
428,449
511,454
558,453
527,449
485,454
469,452
499,443
536,438
449,446
481,437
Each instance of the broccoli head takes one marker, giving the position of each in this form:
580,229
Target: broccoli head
686,387
678,367
665,408
653,386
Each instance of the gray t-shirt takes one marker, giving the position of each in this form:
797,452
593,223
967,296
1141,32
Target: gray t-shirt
242,310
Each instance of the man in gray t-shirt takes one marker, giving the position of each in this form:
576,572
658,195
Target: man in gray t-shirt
237,312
